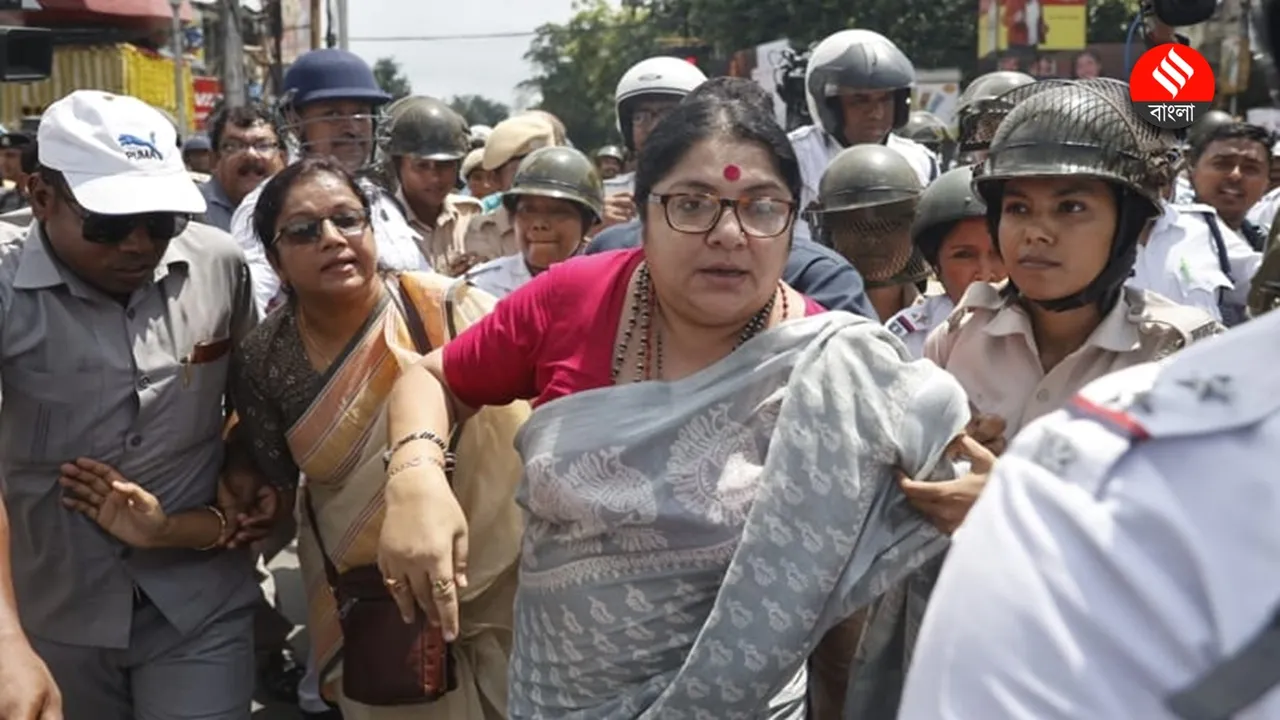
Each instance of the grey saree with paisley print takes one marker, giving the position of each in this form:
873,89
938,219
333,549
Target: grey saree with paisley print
689,542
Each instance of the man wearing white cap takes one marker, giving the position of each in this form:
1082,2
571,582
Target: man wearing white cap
119,318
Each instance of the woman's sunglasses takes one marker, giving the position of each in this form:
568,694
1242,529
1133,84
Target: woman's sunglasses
348,223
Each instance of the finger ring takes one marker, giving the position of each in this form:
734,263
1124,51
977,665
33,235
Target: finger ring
442,587
391,582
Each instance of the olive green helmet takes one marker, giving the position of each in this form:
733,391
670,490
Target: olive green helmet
612,151
865,176
946,201
973,132
427,128
1078,127
866,200
926,129
558,172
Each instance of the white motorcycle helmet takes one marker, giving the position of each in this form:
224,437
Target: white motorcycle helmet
665,75
479,135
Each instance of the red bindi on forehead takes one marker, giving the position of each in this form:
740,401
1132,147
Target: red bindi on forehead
732,173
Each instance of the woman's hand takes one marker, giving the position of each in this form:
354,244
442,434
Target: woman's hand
128,512
422,552
947,503
27,690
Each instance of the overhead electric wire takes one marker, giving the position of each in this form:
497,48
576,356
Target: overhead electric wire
445,38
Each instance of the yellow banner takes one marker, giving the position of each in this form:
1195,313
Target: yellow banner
120,69
149,78
1033,24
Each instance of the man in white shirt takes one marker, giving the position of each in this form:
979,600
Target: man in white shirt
1121,562
858,87
1183,247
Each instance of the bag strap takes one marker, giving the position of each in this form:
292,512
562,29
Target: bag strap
1235,683
1219,244
412,318
330,570
451,331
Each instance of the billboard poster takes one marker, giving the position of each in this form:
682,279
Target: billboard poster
207,91
1048,25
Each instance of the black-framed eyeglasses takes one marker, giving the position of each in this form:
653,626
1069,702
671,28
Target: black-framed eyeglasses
347,223
102,229
760,217
261,147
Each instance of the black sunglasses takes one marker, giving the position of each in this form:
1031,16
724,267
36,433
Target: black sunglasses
104,229
348,223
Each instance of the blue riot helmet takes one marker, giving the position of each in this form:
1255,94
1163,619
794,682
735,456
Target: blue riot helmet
332,105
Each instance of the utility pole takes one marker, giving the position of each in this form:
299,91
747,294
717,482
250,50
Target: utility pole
233,79
179,78
317,24
344,34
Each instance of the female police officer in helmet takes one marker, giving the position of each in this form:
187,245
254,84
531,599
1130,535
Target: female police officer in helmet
1071,182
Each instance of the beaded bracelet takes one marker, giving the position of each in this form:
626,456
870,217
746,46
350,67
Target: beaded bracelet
423,435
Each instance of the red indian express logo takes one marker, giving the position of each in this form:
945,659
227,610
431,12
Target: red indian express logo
1171,86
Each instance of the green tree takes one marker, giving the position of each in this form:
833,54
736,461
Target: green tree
390,78
479,110
933,33
1109,20
578,64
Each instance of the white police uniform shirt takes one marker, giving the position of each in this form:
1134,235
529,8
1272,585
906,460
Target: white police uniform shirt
1179,261
913,324
620,183
1183,192
1263,212
815,150
397,242
501,276
1192,220
1123,548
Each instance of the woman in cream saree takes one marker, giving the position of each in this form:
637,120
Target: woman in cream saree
330,424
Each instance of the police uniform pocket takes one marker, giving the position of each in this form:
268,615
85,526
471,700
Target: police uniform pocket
50,417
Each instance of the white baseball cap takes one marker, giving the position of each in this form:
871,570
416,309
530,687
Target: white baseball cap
118,154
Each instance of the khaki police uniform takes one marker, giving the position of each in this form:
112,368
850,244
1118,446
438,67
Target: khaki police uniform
443,240
989,346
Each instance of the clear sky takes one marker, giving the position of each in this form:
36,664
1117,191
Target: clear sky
443,68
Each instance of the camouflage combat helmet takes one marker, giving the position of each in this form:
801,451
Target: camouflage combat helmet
972,131
946,201
866,200
926,129
427,128
558,172
1077,127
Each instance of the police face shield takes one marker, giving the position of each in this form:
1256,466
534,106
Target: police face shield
876,240
344,129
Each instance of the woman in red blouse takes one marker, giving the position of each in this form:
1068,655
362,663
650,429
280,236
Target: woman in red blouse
708,444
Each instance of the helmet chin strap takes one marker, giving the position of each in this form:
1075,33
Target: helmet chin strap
1104,290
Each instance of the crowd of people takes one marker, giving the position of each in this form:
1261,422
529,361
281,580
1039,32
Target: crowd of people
723,422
